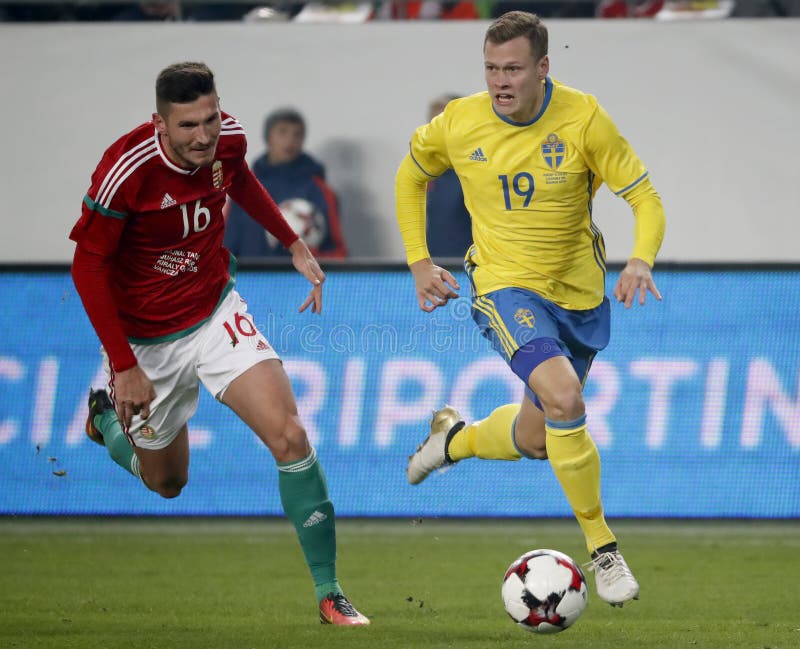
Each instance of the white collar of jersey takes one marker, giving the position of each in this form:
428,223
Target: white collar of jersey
168,162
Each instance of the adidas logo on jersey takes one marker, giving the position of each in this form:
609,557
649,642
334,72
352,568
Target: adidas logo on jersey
262,346
478,156
168,201
315,518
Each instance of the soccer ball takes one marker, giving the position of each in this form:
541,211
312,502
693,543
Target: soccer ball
305,219
544,591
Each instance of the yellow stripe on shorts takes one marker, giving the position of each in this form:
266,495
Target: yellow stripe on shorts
486,306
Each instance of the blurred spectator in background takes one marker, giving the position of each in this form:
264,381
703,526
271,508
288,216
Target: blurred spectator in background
766,8
697,9
215,11
359,12
297,183
151,10
449,226
114,10
426,10
667,9
547,8
170,10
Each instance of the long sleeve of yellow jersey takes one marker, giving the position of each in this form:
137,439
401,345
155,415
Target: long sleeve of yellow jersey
410,185
650,222
427,159
614,161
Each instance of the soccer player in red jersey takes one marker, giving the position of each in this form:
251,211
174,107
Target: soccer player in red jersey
157,285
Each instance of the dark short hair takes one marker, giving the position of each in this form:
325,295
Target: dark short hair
513,24
182,83
285,114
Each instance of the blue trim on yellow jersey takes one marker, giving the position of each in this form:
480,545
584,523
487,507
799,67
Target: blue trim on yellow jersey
469,267
633,184
548,93
96,207
598,247
411,153
599,255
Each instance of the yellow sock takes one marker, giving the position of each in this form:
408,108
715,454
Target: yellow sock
490,439
576,463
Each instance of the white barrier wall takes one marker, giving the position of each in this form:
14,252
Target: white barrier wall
711,107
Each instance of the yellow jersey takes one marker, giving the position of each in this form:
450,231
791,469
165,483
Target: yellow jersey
529,189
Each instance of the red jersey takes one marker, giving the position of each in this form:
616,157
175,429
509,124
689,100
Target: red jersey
150,263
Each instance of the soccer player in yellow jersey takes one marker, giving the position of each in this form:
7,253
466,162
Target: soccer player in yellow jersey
530,154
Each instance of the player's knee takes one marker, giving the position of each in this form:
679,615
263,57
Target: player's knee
292,444
565,404
168,487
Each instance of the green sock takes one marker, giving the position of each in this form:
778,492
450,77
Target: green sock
304,495
117,444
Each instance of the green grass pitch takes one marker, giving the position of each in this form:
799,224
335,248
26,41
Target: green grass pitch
228,584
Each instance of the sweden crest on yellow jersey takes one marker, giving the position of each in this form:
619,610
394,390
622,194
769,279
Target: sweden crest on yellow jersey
554,151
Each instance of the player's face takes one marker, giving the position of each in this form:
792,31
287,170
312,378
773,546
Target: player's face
285,142
190,132
514,78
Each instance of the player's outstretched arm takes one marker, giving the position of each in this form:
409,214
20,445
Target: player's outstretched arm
307,266
434,285
636,276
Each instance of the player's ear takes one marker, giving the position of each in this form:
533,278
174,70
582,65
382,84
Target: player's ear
544,66
159,122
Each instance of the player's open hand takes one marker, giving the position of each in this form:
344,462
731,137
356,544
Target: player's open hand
307,266
435,285
133,393
636,276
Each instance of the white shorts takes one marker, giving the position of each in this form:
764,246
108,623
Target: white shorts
223,348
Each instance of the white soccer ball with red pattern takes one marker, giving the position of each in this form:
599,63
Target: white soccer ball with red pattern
544,591
305,219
